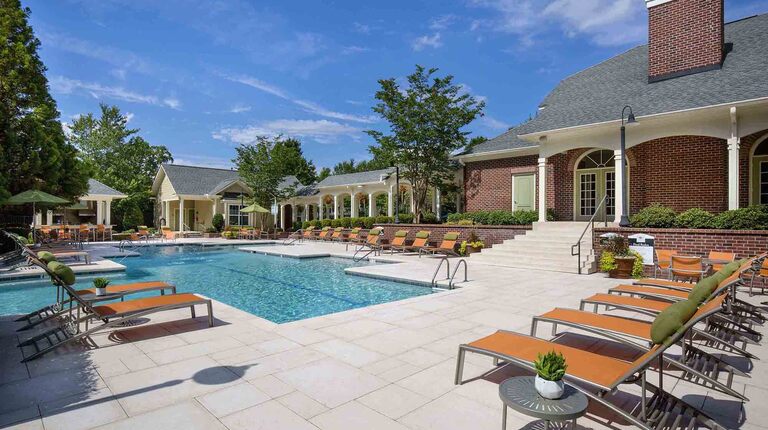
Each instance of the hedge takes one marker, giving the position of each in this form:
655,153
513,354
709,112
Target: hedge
359,222
658,216
518,217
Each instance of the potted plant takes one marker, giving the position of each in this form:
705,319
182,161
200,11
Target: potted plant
100,284
550,369
618,260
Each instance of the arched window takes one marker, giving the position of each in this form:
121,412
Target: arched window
597,159
759,173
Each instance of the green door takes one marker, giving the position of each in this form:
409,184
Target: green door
524,189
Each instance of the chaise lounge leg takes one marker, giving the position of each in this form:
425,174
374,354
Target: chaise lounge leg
210,314
459,366
192,310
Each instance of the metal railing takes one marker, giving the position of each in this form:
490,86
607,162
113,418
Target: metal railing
291,238
456,269
437,270
589,227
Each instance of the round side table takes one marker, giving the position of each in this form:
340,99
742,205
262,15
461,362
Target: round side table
519,393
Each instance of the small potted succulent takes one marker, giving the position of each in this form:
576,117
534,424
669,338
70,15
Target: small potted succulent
100,284
550,369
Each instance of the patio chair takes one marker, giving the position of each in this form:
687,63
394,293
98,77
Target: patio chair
398,241
324,233
663,260
598,375
353,236
84,233
168,234
686,267
111,314
421,241
337,234
718,259
102,230
447,247
308,234
58,252
758,271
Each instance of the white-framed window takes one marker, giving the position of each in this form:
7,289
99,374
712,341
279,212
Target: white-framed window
235,217
763,178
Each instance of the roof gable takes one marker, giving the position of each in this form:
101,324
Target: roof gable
193,180
99,189
355,178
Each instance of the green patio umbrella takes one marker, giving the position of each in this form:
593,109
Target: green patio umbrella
35,197
255,208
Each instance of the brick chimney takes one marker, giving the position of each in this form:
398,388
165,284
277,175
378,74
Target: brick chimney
684,37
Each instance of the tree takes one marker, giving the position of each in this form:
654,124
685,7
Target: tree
426,122
120,158
324,173
33,150
264,165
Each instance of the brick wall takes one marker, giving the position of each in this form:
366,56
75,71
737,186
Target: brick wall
489,234
681,172
488,184
684,35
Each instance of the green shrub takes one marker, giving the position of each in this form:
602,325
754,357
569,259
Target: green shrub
749,218
498,217
218,222
429,218
694,218
654,215
405,218
326,223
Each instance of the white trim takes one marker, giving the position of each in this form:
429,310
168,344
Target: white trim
750,182
651,3
501,153
534,136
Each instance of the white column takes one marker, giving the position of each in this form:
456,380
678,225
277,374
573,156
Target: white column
306,211
181,215
542,189
281,217
99,211
371,205
619,192
413,202
39,218
49,217
167,215
335,206
733,172
320,208
108,212
390,203
437,202
215,206
353,205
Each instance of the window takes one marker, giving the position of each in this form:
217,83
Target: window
597,159
764,182
588,191
235,217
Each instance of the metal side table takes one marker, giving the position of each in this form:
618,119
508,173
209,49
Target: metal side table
519,393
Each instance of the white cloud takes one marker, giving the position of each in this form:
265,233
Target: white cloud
442,22
425,41
493,123
466,89
129,116
308,106
323,131
123,60
348,50
361,28
604,22
62,85
239,108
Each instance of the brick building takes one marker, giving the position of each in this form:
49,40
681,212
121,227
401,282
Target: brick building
699,91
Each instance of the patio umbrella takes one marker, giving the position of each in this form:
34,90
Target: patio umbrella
255,208
35,197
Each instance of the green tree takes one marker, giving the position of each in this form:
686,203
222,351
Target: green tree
426,122
264,165
33,150
120,158
324,173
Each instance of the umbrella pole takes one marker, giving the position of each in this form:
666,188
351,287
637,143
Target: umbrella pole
34,223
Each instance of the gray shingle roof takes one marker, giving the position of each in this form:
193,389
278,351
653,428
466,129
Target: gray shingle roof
355,178
598,93
505,141
97,188
197,180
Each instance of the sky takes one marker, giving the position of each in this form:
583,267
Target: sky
203,76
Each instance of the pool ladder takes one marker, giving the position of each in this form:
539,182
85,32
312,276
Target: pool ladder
448,274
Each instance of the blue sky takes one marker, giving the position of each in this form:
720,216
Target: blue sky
201,76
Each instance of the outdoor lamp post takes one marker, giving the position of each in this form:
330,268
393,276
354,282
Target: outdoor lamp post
397,194
624,222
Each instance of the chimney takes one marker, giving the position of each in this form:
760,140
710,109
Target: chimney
684,37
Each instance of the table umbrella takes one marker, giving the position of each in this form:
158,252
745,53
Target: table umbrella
255,208
35,197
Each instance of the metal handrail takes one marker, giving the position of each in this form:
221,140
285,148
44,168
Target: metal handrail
447,270
290,240
456,269
590,226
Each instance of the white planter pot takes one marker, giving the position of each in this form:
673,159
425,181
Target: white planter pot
552,390
101,291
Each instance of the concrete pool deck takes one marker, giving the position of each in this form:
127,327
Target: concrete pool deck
388,366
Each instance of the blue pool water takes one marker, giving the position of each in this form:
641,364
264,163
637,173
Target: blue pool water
274,288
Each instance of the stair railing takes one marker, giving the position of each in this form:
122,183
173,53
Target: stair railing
576,247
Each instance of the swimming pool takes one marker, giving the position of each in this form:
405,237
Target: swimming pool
274,288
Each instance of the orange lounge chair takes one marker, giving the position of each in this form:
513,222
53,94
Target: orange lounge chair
663,260
718,259
112,314
398,241
598,375
371,242
446,247
324,233
421,241
338,234
168,234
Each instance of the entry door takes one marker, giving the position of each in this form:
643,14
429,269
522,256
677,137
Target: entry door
593,185
523,190
189,217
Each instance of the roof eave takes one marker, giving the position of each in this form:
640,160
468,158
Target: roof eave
502,153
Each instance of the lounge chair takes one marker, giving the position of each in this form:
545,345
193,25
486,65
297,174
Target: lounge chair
663,260
686,267
447,246
759,271
421,241
58,252
111,314
353,236
372,241
337,235
398,241
324,233
168,233
718,259
598,375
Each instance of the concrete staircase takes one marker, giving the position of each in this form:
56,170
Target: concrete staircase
546,247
